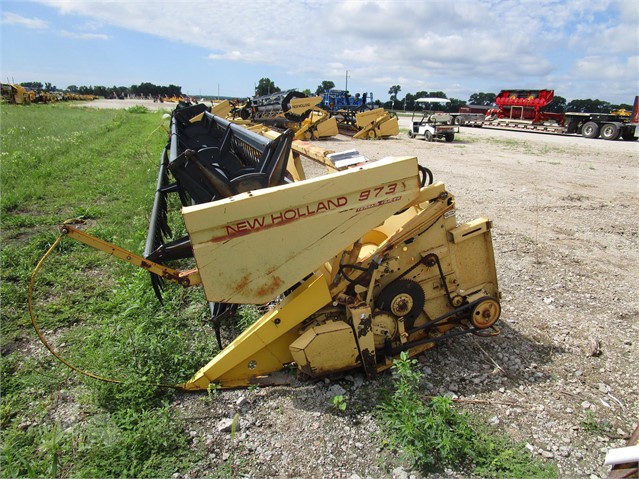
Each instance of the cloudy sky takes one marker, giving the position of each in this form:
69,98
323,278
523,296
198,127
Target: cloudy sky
581,49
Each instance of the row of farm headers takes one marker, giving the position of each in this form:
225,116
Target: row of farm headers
19,95
316,117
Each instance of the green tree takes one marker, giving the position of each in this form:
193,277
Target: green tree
588,106
72,89
482,99
324,87
34,85
454,105
393,91
437,94
266,86
557,105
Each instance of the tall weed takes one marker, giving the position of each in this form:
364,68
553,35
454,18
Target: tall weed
433,436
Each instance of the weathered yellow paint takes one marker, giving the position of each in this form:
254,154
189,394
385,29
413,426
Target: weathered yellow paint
264,347
326,348
284,232
376,124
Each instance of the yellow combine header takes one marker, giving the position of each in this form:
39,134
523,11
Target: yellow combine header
358,265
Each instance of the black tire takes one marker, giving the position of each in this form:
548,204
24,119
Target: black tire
411,134
428,136
628,134
610,131
590,130
449,137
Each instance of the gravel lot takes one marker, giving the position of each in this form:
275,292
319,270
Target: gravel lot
562,376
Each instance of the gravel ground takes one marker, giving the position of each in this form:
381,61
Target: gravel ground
561,377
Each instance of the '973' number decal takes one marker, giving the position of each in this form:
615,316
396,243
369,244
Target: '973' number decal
378,191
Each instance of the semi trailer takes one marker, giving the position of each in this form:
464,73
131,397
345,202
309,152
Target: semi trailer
524,110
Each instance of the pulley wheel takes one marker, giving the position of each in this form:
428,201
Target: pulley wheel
403,298
485,313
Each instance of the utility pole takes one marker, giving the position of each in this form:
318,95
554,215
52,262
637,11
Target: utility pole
346,88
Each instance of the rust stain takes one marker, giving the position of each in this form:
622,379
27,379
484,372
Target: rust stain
269,289
242,284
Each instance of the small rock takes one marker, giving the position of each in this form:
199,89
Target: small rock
594,347
335,390
564,451
226,425
399,473
547,454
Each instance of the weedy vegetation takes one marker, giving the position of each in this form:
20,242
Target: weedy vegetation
434,435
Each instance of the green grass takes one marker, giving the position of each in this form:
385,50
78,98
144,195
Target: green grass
57,163
433,436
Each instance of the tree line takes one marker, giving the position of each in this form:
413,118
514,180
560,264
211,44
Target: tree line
146,89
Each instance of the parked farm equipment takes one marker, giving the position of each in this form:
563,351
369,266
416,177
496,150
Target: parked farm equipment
14,93
293,110
358,265
357,117
524,110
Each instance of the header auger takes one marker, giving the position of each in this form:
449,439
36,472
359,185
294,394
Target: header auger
358,265
290,110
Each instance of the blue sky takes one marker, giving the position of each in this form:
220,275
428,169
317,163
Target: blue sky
580,49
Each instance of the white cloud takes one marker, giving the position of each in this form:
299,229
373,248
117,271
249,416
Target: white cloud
608,68
9,18
83,36
466,43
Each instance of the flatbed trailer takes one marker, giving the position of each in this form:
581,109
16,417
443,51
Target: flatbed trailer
516,113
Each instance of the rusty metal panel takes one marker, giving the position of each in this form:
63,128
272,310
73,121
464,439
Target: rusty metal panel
263,242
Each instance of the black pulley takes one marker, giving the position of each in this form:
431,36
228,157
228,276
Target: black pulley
403,298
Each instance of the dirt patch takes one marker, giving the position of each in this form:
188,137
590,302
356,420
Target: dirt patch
127,103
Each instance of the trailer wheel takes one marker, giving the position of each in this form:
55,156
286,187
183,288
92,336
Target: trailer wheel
590,130
428,136
449,137
610,131
628,135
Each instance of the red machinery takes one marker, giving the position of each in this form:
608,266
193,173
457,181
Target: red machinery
525,105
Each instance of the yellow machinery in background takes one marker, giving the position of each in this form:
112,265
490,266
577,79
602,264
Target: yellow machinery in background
293,110
377,123
14,93
357,265
357,116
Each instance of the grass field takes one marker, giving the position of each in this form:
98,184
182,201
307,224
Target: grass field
100,166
